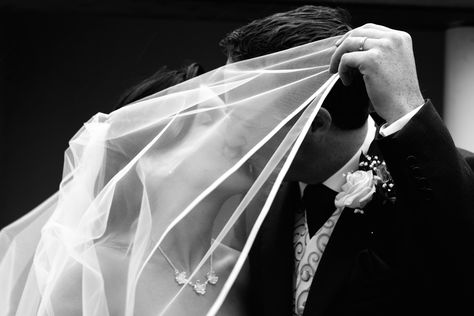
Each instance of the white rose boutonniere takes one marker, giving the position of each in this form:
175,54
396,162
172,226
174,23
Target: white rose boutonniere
361,185
357,191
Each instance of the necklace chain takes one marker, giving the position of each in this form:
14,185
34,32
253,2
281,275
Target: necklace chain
181,277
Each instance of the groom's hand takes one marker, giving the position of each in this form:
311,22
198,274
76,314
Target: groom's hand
385,59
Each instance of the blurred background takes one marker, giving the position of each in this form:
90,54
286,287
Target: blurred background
63,61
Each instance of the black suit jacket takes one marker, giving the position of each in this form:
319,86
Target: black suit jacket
413,257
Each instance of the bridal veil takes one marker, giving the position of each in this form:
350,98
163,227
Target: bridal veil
196,164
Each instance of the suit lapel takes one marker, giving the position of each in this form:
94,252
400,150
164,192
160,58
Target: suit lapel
271,258
350,236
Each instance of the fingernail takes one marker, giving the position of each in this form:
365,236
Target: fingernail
339,41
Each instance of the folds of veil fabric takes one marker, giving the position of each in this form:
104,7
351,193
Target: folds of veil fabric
180,180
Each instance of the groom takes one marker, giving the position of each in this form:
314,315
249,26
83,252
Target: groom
408,247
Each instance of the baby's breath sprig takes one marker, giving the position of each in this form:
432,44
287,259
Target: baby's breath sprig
384,182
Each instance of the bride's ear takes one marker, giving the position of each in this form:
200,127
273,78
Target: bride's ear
321,123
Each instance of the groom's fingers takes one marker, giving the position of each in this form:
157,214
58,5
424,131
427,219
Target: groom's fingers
369,32
350,62
351,44
375,26
339,41
359,49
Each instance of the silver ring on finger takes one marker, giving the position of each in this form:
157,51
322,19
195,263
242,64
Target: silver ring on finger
362,43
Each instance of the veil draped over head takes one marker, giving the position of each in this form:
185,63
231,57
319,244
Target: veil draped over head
162,199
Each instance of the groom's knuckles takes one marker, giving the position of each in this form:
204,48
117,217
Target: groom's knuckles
350,44
385,44
381,50
370,25
375,59
369,32
399,40
376,26
350,62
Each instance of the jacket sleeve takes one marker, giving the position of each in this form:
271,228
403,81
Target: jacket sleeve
433,224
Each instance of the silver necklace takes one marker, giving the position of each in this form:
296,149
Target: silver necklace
181,277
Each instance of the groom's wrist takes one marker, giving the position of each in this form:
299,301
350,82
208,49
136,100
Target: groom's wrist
388,129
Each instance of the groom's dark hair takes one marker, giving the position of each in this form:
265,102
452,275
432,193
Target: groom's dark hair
348,106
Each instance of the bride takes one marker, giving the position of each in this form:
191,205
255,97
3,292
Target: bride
170,181
161,199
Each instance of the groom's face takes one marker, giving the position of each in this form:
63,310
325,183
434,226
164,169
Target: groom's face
323,151
312,163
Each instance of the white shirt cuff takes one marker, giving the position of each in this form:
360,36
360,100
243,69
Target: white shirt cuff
386,130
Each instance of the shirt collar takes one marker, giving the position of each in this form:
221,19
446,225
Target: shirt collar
336,181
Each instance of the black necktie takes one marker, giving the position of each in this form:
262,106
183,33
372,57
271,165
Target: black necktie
318,200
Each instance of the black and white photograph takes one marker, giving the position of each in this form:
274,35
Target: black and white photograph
270,158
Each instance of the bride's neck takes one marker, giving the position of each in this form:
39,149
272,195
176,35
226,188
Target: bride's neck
190,239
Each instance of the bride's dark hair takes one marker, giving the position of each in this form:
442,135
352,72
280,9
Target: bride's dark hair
160,80
348,106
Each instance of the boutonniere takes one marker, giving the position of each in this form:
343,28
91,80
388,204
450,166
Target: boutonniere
361,185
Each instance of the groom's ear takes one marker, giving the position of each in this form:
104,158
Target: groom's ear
321,123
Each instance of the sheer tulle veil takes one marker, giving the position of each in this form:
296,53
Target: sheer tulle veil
181,180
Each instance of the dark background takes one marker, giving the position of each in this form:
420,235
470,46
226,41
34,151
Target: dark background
60,64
